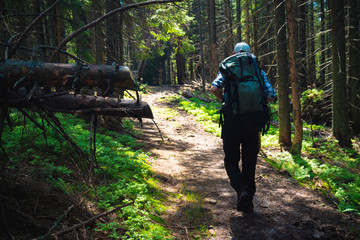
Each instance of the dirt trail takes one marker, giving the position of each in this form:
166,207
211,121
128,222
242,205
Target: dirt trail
191,158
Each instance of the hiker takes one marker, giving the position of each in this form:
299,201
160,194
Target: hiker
240,127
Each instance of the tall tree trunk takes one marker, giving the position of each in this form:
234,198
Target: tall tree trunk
283,73
121,38
301,46
82,42
321,81
169,68
40,38
339,103
112,39
4,34
238,21
191,69
212,36
180,67
247,22
99,33
202,76
298,126
229,25
354,65
312,73
60,30
255,45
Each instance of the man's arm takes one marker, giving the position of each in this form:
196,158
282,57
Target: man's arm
269,90
217,92
217,85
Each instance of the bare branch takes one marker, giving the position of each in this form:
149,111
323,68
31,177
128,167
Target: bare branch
91,220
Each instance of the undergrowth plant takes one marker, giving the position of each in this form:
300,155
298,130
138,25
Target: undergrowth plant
123,173
323,165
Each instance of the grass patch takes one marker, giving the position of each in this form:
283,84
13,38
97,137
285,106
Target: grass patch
124,174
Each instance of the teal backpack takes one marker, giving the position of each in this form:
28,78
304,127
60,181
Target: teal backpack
244,97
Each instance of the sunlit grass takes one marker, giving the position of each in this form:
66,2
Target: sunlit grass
124,174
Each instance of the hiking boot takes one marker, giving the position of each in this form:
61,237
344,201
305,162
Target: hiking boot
244,203
249,208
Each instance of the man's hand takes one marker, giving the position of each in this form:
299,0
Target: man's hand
271,98
217,92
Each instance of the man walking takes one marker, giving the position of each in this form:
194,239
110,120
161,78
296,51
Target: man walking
243,83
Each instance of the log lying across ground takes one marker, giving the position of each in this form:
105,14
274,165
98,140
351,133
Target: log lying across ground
23,83
82,104
25,73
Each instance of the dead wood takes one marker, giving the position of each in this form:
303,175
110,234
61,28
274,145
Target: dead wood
19,73
91,220
82,104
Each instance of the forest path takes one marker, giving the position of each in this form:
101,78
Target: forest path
190,159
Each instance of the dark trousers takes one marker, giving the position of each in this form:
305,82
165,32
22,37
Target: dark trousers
234,137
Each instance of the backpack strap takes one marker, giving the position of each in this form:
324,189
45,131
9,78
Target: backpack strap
265,105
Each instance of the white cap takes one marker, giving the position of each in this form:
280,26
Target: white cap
242,47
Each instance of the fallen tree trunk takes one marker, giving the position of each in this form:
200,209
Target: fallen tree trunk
82,104
17,73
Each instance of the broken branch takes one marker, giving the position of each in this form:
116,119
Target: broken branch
91,220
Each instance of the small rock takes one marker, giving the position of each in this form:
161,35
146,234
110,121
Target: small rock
212,201
212,232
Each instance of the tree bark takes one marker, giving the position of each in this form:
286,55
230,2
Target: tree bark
202,76
255,22
228,47
247,22
339,103
212,36
354,66
302,46
26,73
99,32
321,81
312,73
81,104
238,21
180,67
60,30
298,126
282,72
112,38
40,38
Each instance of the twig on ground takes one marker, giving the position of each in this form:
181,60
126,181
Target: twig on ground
158,129
187,233
90,221
55,224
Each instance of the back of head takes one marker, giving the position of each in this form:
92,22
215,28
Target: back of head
241,47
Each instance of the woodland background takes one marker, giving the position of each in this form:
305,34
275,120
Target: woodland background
309,49
306,47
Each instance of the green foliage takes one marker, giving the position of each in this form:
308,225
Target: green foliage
124,173
206,113
311,96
